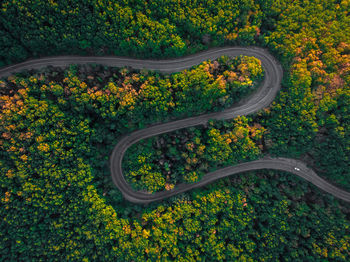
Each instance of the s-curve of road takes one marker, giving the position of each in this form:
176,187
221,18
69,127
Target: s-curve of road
263,97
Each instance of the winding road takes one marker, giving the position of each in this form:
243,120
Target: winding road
263,97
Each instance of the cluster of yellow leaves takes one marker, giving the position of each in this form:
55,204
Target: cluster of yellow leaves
126,94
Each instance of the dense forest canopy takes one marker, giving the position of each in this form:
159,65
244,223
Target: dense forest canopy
184,156
137,28
58,127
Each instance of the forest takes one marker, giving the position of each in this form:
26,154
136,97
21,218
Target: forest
59,126
184,156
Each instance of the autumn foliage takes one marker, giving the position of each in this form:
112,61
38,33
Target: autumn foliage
58,127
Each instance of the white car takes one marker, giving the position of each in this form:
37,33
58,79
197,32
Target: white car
297,168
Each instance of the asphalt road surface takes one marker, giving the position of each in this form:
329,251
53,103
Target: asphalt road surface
264,95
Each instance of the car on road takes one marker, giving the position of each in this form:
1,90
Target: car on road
297,168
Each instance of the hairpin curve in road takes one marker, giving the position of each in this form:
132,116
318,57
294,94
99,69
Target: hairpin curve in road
260,99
